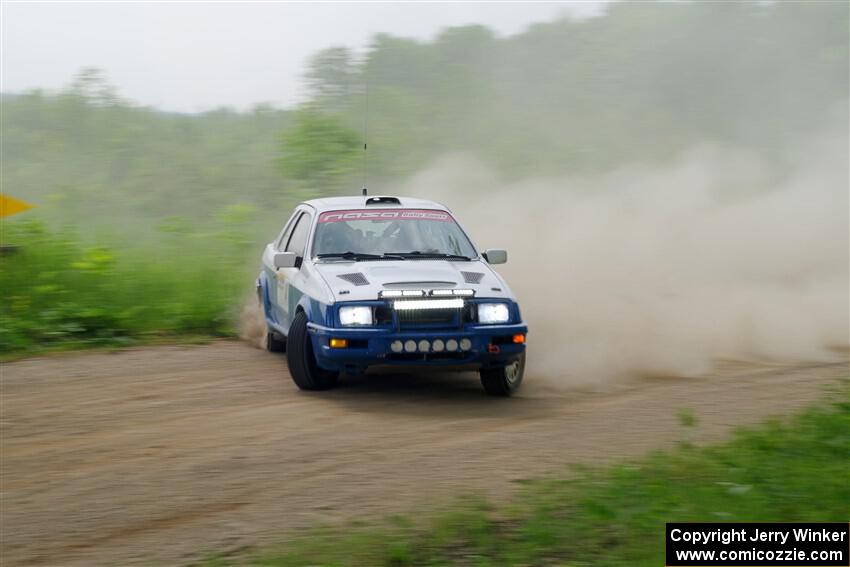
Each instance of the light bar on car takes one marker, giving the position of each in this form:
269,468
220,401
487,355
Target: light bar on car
409,304
396,293
463,292
441,292
454,292
390,293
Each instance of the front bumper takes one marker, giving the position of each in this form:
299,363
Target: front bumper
491,346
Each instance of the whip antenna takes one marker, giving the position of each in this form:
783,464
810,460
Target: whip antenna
366,128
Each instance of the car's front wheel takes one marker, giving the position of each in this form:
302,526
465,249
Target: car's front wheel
505,380
302,362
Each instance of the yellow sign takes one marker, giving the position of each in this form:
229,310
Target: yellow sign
10,206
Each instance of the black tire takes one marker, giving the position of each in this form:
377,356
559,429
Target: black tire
503,381
274,342
302,362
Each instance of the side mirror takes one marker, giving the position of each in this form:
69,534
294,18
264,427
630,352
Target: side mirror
495,256
285,259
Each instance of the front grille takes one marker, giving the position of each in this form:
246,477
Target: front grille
427,317
472,277
435,318
355,278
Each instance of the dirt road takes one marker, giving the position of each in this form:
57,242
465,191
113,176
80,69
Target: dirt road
156,456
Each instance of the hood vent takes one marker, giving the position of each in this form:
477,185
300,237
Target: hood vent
472,277
355,278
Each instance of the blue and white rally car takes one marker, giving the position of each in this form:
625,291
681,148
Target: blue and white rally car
354,282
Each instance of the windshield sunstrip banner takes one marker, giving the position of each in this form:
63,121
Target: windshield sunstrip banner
385,214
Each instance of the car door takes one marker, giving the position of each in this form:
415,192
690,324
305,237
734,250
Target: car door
288,290
275,313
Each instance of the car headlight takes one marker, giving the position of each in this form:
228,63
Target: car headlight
493,313
350,315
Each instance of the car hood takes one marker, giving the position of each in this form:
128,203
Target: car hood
358,281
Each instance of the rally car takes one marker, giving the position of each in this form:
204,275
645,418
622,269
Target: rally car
355,282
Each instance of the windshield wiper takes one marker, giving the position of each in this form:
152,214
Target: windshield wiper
441,255
357,256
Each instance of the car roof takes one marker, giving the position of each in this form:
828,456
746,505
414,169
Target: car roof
372,201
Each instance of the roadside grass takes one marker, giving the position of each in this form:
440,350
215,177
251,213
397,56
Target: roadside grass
60,293
784,470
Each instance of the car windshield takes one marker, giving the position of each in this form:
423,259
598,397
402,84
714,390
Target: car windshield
401,233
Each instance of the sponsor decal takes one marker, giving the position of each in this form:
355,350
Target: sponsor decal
385,214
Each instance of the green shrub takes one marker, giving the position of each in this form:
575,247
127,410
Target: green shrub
61,292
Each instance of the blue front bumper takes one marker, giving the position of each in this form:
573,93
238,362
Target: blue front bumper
491,346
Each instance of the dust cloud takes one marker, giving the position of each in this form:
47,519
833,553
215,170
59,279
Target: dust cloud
664,270
251,323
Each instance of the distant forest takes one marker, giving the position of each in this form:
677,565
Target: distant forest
642,83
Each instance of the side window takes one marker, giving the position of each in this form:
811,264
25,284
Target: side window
284,236
298,240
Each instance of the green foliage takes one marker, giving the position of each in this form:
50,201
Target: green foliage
86,157
319,149
147,224
60,292
687,418
642,83
791,472
330,74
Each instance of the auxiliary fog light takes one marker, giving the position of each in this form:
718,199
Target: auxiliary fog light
424,346
396,346
410,346
465,344
451,345
438,345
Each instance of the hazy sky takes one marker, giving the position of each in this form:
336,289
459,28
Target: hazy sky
197,56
